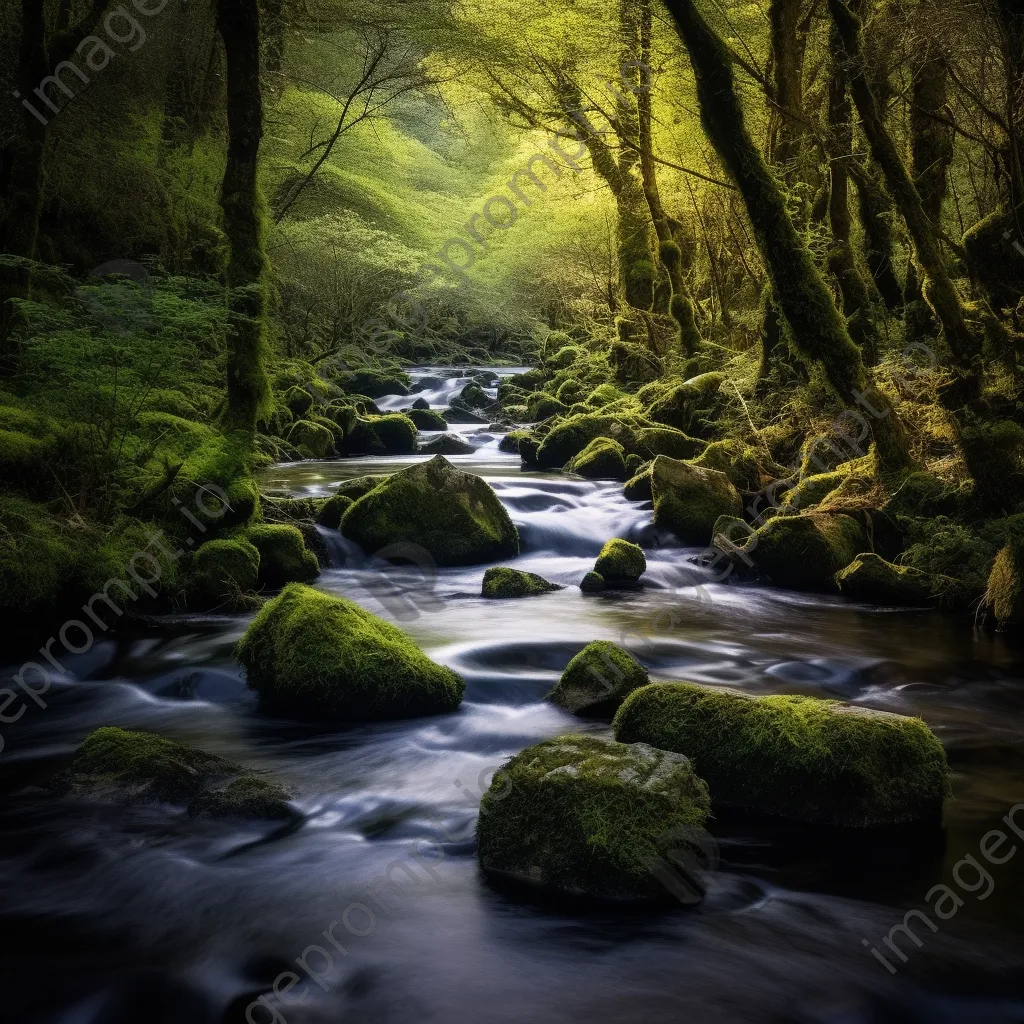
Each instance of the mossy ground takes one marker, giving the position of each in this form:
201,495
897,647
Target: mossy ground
308,654
590,817
795,757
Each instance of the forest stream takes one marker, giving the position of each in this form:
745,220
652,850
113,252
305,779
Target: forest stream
132,913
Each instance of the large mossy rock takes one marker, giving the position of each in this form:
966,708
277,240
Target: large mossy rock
590,817
634,365
805,552
688,499
221,571
692,407
621,561
313,440
871,578
503,582
427,419
297,400
374,383
597,680
569,436
650,442
455,516
542,406
446,444
309,654
392,434
141,767
284,557
802,758
1004,596
602,459
357,486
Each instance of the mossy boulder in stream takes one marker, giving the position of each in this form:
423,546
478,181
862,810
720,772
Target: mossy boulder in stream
592,583
591,817
446,444
284,557
805,552
358,486
569,436
871,578
141,767
297,400
688,499
332,509
621,561
392,434
456,517
427,419
503,582
313,440
221,571
374,383
802,758
597,680
602,459
309,654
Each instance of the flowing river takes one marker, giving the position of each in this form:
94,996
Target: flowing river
122,914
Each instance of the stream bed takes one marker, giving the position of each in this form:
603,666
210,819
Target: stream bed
116,914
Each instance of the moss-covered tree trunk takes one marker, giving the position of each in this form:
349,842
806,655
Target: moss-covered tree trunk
247,387
816,326
939,290
875,210
857,304
1011,17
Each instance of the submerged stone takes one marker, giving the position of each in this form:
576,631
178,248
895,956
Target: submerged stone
446,444
310,654
591,817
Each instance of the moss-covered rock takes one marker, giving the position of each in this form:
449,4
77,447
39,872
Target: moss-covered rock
569,436
248,797
590,817
692,407
571,391
312,439
222,571
634,365
994,453
1004,596
602,459
374,383
620,561
688,499
638,487
565,357
810,490
510,442
604,394
392,434
795,757
343,415
332,509
739,462
597,680
502,582
284,557
871,578
446,444
427,419
310,654
805,552
298,402
592,583
455,516
358,486
650,442
541,406
474,396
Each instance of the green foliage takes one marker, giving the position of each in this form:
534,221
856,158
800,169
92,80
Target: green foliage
797,757
308,654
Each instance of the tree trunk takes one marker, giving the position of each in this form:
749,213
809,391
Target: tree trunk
815,324
787,51
1011,18
939,291
248,390
876,210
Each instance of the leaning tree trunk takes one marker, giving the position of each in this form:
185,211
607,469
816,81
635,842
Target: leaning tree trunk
1011,18
816,326
681,304
857,304
875,210
247,387
939,290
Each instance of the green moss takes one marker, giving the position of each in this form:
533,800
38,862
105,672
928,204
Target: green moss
250,797
688,499
541,406
374,383
310,654
994,453
565,356
427,419
811,489
571,391
456,517
796,757
590,817
312,438
804,552
24,459
638,487
602,459
222,571
502,582
358,486
446,444
693,407
298,401
139,767
393,434
1004,595
634,365
332,510
37,554
597,680
921,494
172,401
343,415
871,578
510,442
651,442
474,396
284,557
620,562
592,583
569,436
739,462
